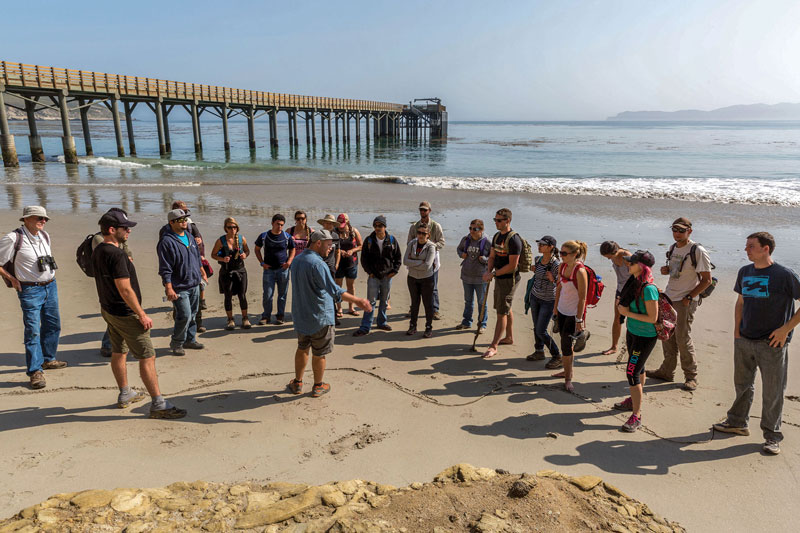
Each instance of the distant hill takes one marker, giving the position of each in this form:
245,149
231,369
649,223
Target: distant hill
96,112
784,111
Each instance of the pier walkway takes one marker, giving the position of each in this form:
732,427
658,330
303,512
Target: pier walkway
42,87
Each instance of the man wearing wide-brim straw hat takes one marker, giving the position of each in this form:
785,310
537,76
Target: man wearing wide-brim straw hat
29,268
330,223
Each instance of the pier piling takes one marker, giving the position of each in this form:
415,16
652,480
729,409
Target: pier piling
117,126
35,141
291,129
198,143
7,146
251,127
162,147
166,112
129,107
294,127
67,141
314,127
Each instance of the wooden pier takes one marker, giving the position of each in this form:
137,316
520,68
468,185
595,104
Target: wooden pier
37,85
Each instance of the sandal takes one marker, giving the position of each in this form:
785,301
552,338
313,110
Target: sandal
295,386
353,312
339,314
231,325
558,375
489,353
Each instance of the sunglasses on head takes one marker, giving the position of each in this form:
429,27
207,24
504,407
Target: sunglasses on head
676,229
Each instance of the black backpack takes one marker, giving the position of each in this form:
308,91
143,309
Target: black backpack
83,255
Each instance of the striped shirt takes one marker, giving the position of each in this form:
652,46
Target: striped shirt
543,288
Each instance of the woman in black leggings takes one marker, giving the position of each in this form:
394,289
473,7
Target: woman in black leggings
639,302
230,251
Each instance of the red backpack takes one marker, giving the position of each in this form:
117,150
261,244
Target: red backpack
594,287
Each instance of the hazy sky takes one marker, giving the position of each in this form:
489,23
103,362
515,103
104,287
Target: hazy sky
503,60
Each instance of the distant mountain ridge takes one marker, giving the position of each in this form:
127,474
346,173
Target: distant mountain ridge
783,111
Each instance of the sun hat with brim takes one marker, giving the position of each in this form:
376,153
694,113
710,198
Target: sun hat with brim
328,218
641,256
320,235
34,211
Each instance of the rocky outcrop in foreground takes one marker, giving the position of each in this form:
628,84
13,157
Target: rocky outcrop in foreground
461,498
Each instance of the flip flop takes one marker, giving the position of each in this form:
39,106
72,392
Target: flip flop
609,351
505,341
353,312
489,353
558,375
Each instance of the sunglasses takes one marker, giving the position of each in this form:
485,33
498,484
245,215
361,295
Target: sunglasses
566,253
231,227
422,233
676,229
41,219
182,219
424,210
376,226
476,229
500,219
299,219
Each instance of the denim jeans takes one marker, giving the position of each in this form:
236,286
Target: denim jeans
472,291
272,277
42,323
377,290
186,307
749,356
542,313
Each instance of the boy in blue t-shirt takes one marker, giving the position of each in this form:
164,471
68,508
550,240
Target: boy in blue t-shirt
275,251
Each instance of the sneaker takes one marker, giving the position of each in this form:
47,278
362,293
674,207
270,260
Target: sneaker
385,327
690,385
55,364
295,387
771,447
412,330
177,350
437,315
481,329
263,321
580,340
428,333
320,389
231,325
538,355
193,345
168,414
633,423
658,374
624,405
463,326
553,363
105,352
135,396
360,333
726,427
246,323
201,329
279,320
37,380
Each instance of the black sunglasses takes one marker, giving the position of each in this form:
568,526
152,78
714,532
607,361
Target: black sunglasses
231,227
676,229
500,219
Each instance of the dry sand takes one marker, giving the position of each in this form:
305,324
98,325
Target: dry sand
400,409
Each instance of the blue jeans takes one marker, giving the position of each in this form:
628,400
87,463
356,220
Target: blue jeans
186,307
436,292
377,290
472,291
270,278
42,323
542,313
105,344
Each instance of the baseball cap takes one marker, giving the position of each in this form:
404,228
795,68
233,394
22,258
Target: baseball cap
380,219
342,218
176,214
641,256
548,240
116,218
320,235
34,211
426,204
682,222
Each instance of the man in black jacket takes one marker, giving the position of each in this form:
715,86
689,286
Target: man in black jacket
381,259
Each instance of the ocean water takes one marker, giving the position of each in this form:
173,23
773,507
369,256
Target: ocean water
751,163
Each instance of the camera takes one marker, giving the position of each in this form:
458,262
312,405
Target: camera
46,262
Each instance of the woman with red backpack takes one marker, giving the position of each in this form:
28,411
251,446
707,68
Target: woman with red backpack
638,301
570,307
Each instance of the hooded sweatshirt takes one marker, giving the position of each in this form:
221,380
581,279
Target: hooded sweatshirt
177,263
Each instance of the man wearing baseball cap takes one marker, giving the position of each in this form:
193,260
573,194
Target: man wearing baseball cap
29,268
437,238
121,308
181,272
689,269
314,295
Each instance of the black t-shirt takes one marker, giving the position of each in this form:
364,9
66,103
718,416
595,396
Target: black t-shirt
500,258
768,295
276,248
111,263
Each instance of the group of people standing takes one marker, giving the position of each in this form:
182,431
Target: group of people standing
322,262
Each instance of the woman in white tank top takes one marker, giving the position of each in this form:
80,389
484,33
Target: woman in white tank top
570,308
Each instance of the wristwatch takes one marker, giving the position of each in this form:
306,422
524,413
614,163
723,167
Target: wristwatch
579,321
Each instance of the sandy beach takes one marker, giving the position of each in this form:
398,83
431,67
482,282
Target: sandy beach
415,406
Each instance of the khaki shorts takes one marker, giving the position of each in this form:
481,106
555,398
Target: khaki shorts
321,342
504,294
126,333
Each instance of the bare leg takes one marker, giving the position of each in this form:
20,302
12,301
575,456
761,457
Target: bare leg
509,338
118,362
616,330
318,365
300,363
147,370
351,289
499,329
567,360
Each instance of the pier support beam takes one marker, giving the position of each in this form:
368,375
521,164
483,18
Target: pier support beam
366,125
167,143
7,146
358,127
294,127
330,137
198,143
251,127
117,126
291,128
336,127
67,141
226,141
37,153
162,146
129,126
308,131
314,127
347,121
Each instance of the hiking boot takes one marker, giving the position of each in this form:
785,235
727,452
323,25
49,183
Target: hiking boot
360,333
105,352
771,447
246,323
177,350
55,364
37,380
553,363
428,333
295,387
193,345
537,355
462,326
263,321
412,330
437,315
658,374
170,413
624,405
320,389
726,427
230,325
385,327
690,385
279,320
135,396
633,423
580,340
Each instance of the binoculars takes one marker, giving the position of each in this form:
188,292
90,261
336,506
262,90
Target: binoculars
46,262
